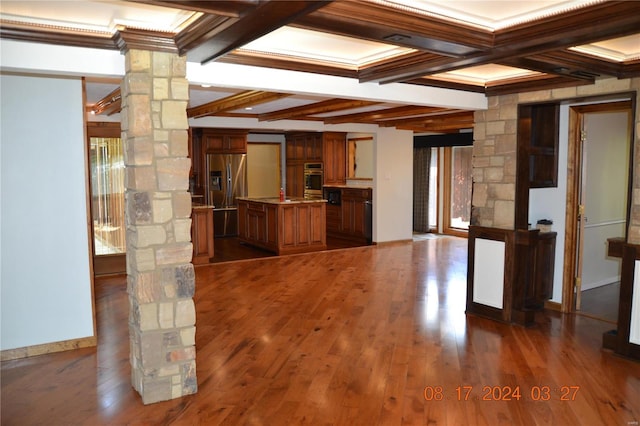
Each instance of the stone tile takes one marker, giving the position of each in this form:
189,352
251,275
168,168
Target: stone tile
179,253
160,88
156,390
148,316
188,336
138,60
162,64
182,204
185,313
162,210
179,89
174,115
173,173
185,278
145,236
179,142
182,230
504,214
165,315
139,116
139,207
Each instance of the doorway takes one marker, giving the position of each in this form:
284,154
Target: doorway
106,163
602,147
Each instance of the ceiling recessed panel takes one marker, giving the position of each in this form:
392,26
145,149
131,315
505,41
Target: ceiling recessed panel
493,15
95,15
483,74
322,47
618,49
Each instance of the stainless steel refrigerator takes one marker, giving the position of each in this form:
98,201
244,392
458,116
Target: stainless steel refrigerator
226,180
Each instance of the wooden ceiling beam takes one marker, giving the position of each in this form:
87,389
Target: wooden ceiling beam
110,104
576,61
381,114
322,107
455,117
401,27
230,103
238,57
264,18
577,27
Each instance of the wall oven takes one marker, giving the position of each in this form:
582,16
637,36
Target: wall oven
313,180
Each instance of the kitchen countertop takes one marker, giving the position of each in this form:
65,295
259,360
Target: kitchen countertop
348,186
201,206
276,200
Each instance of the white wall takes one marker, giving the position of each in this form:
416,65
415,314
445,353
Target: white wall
45,279
393,187
607,159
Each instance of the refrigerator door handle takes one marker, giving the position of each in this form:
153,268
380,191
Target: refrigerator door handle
229,186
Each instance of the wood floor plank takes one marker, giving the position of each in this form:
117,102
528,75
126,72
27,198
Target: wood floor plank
357,336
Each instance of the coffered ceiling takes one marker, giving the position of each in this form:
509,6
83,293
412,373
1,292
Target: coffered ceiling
491,47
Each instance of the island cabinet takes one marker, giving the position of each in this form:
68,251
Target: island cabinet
202,234
283,227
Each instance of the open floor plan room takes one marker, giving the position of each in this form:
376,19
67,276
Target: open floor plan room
373,335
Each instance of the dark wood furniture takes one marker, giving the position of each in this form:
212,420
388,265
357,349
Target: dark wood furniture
350,219
202,234
283,227
529,253
619,340
328,148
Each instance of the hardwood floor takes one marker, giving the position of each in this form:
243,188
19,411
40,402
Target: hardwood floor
360,336
602,302
228,249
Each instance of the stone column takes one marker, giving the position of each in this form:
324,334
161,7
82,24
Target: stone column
161,280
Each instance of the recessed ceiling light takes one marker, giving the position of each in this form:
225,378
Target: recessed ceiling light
397,37
248,108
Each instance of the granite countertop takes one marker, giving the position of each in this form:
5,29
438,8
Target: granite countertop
276,200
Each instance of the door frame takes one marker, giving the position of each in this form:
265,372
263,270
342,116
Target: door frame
574,170
106,264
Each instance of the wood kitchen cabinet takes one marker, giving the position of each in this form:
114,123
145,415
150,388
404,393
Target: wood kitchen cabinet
202,234
297,226
224,142
304,147
257,223
351,219
335,158
330,148
295,179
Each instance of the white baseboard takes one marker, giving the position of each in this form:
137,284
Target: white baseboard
610,280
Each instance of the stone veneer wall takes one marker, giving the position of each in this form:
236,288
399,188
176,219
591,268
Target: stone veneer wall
161,279
494,153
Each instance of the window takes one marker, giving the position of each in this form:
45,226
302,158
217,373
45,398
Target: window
458,181
433,190
107,195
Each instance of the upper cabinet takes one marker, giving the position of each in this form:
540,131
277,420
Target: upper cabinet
305,147
329,148
538,130
335,158
216,141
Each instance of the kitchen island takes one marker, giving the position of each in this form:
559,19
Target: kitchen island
283,227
